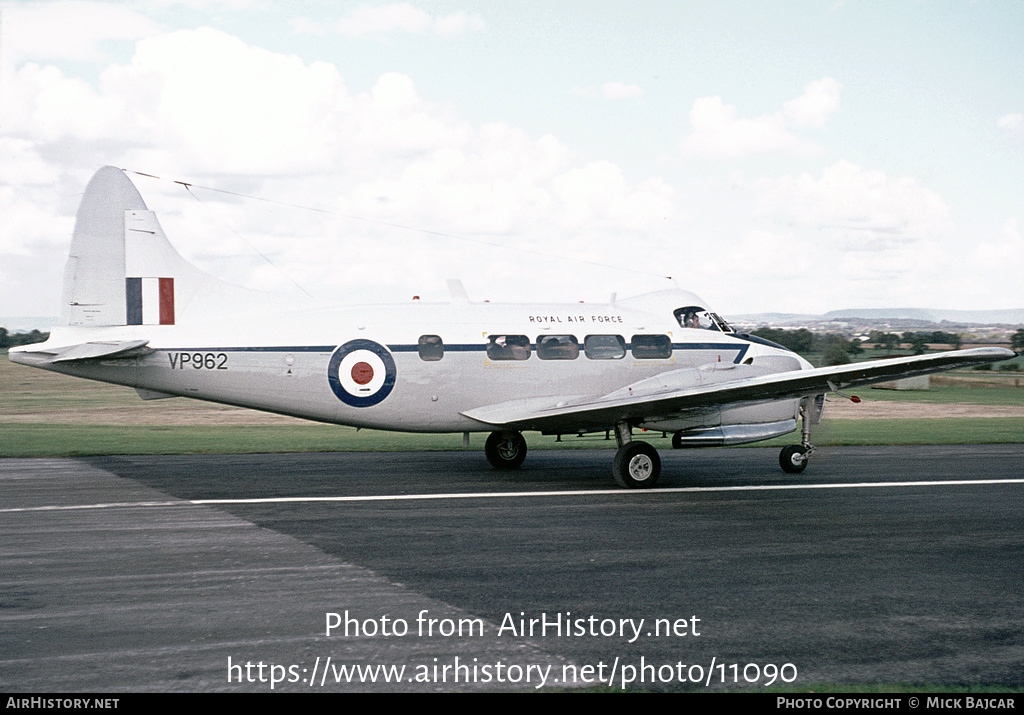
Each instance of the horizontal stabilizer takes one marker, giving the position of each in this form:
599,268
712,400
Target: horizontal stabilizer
96,350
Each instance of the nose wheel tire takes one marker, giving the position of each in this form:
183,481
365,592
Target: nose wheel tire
636,466
793,459
505,450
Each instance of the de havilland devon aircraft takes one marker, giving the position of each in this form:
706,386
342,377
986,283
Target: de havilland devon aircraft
135,313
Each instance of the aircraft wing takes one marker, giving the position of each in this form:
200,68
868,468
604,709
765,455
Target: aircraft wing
716,384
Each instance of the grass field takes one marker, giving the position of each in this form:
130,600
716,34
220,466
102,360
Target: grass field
45,414
958,391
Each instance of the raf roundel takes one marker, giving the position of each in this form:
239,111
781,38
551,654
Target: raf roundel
361,373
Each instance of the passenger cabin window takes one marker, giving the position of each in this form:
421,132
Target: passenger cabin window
651,347
604,347
558,347
508,347
431,348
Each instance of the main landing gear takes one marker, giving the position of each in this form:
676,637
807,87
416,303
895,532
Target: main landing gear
505,450
637,464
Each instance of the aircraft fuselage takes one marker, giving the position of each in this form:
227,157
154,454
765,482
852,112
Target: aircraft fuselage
415,367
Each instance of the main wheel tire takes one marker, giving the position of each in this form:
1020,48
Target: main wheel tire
677,440
793,459
505,450
636,466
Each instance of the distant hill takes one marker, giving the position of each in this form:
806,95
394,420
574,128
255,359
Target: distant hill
773,318
910,318
983,317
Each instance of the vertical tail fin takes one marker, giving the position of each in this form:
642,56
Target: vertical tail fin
94,277
122,270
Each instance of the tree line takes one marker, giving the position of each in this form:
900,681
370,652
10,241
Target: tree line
10,340
917,341
836,349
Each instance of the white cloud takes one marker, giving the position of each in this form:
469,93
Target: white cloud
458,23
204,106
1011,124
220,104
68,30
719,131
208,4
597,195
994,259
21,165
400,17
610,90
868,208
397,18
818,102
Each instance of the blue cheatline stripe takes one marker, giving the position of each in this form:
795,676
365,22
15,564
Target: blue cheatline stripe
448,347
741,350
259,349
133,301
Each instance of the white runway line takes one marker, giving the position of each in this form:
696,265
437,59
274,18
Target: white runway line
514,495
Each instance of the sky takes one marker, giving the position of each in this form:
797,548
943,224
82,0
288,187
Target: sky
771,157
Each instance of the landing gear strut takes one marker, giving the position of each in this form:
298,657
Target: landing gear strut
505,450
794,457
637,464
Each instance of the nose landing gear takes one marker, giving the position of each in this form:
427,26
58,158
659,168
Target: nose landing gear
794,457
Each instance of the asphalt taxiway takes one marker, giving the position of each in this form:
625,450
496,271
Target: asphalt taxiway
878,564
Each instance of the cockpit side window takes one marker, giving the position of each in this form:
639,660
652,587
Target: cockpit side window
689,316
694,316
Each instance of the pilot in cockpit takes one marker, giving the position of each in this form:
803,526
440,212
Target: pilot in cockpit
695,316
689,317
